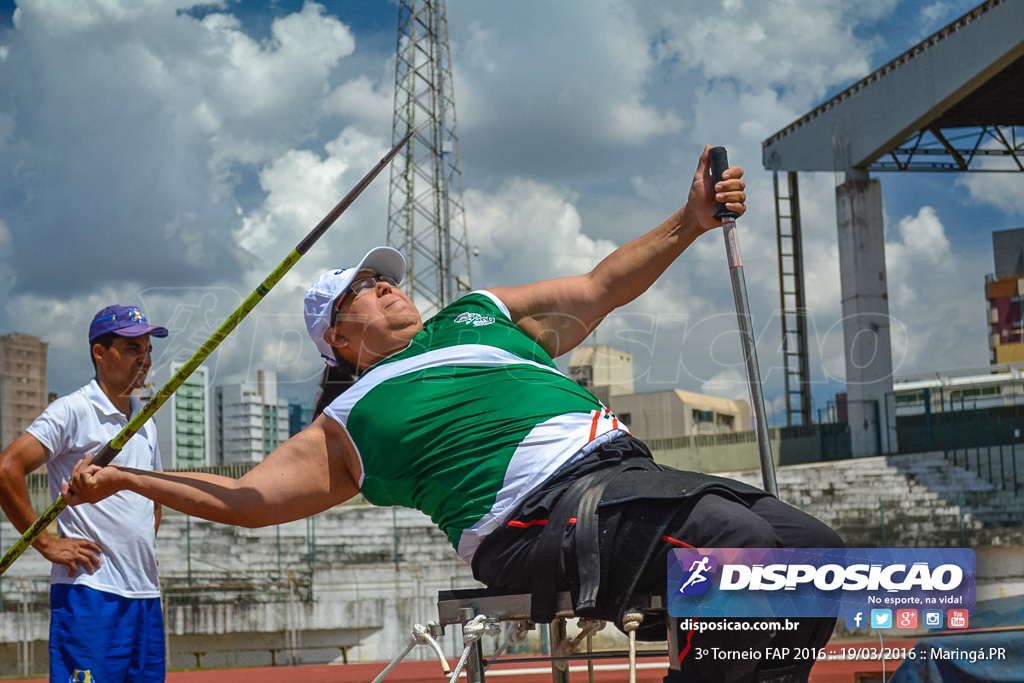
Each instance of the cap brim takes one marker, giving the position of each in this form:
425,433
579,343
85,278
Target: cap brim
139,330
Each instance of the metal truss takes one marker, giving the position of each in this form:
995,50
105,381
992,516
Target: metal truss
426,216
959,150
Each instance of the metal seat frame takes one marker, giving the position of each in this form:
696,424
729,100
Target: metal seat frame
461,606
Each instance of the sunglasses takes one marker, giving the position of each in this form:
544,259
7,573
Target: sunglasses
357,287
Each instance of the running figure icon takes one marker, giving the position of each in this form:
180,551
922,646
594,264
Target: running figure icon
697,570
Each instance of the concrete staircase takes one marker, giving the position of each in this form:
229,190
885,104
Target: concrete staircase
991,501
914,500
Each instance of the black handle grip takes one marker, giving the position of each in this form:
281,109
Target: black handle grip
105,455
719,159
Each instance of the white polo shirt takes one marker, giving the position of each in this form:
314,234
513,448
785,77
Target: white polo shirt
123,524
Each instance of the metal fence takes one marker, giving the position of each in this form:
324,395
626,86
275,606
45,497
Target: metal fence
987,441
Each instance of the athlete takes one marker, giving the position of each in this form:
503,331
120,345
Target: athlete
466,418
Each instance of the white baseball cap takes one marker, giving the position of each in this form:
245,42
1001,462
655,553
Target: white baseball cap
328,287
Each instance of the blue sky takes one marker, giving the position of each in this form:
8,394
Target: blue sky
171,155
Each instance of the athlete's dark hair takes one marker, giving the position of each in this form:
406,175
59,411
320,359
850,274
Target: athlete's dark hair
104,340
334,382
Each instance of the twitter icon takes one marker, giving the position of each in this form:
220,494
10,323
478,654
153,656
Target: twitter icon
881,618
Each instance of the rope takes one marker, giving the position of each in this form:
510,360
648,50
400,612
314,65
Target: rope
472,631
630,623
514,635
424,633
590,658
588,627
420,635
462,662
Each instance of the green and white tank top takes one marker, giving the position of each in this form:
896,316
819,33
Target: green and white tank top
466,420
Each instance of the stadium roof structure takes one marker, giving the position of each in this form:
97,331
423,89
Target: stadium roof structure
953,102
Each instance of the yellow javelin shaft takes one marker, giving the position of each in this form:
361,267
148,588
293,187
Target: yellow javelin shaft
110,449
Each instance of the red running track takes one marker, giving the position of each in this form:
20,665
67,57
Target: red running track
605,671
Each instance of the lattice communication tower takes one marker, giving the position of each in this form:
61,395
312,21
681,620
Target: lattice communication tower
426,217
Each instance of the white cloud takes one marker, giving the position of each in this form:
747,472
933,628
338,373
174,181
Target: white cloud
1004,191
938,314
132,134
798,49
194,156
933,13
257,79
61,19
528,231
361,98
728,384
147,117
570,82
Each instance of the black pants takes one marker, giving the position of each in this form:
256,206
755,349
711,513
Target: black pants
641,517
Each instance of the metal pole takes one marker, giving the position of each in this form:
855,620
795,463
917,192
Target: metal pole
881,516
988,445
394,532
26,664
188,553
1013,454
110,450
960,512
1002,466
719,162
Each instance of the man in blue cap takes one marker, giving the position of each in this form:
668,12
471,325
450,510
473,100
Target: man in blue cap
106,622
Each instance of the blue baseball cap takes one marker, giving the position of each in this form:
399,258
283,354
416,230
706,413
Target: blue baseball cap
125,321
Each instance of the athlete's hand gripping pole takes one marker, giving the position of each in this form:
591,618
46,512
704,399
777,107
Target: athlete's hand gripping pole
719,162
110,450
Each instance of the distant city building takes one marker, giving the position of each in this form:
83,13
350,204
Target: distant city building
184,422
960,389
23,393
300,415
608,374
1003,291
602,370
251,420
672,413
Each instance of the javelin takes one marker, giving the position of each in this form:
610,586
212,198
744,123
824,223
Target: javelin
110,450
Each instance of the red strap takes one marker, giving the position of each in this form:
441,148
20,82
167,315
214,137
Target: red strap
689,634
689,637
533,522
676,541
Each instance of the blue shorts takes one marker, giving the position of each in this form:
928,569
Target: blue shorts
98,637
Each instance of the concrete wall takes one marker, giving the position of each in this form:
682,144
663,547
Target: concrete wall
738,451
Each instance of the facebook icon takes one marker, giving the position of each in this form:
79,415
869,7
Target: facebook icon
855,619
